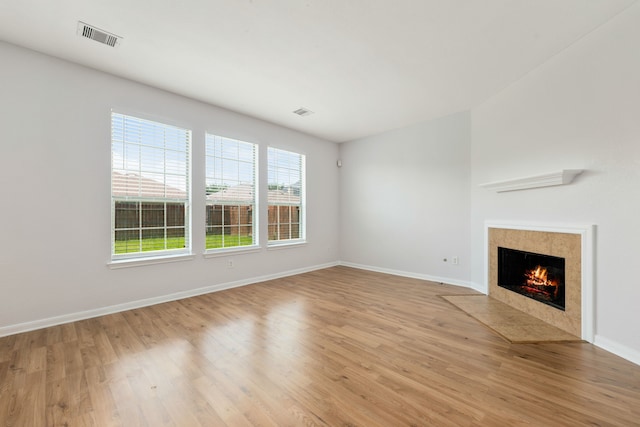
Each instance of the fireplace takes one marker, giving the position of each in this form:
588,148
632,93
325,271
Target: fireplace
537,276
554,248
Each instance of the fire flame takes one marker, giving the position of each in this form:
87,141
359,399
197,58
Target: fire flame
540,274
537,279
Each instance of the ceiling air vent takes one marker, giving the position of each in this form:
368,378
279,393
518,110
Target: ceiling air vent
93,33
303,112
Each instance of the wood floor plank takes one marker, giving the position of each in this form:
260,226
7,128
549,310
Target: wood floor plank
334,347
104,407
103,346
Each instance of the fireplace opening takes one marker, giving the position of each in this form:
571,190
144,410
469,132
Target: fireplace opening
537,276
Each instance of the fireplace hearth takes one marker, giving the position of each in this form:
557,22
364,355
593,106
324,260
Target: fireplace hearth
537,276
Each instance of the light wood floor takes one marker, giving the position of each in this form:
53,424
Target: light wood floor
336,347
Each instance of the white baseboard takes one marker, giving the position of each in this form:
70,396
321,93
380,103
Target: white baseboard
618,349
413,275
88,314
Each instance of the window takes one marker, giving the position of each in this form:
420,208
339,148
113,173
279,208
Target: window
231,195
286,192
149,188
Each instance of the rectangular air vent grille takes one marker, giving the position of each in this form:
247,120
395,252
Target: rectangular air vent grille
93,33
302,112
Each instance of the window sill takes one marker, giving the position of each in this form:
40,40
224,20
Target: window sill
286,244
137,262
212,253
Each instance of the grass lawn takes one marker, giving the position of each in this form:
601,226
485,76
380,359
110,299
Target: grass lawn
158,244
214,241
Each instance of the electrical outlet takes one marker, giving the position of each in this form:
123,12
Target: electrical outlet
230,263
455,260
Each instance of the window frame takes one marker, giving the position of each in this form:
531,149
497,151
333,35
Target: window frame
302,232
210,138
185,140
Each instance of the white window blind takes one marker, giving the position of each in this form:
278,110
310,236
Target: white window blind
231,195
149,187
286,195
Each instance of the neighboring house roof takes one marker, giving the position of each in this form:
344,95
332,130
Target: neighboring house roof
243,193
134,185
283,197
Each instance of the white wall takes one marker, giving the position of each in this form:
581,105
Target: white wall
579,110
404,200
55,178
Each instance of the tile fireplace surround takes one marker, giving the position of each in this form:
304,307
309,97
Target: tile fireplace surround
574,244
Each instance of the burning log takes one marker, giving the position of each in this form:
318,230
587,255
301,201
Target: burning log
537,280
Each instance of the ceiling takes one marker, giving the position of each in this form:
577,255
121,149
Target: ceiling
362,66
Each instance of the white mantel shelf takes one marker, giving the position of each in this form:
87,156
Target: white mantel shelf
562,177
